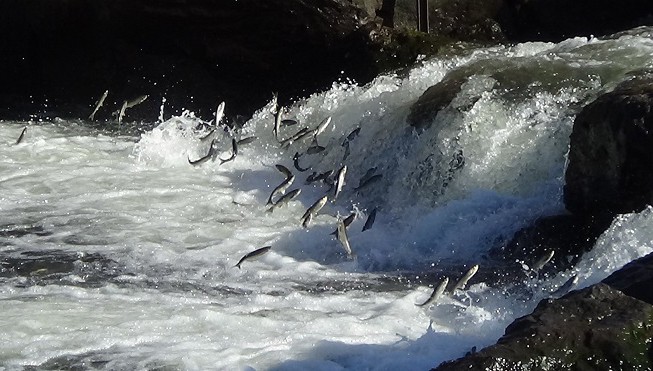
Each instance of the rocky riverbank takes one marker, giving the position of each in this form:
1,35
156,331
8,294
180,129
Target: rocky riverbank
608,325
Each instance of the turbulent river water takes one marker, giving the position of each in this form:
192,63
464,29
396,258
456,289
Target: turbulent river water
118,254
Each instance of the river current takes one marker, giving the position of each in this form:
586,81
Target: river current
117,254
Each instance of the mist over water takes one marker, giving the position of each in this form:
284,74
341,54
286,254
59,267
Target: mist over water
118,254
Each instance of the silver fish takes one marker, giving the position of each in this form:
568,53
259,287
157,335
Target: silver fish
289,122
340,181
322,126
234,152
295,162
370,220
347,221
203,159
247,140
219,113
22,134
277,122
253,255
98,104
313,210
342,237
314,177
281,188
285,199
288,141
121,113
436,293
136,101
542,261
460,285
284,170
567,285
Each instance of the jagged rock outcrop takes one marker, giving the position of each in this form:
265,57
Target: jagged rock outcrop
597,328
610,167
634,279
610,172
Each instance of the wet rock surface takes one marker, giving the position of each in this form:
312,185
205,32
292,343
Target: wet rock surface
611,152
634,279
569,236
597,328
609,325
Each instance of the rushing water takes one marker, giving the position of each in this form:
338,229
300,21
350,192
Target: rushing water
118,254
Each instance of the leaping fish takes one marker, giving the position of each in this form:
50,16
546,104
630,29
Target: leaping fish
285,199
22,134
347,221
234,152
313,210
322,126
295,161
253,255
289,122
219,113
136,101
98,104
281,188
370,220
247,140
203,159
288,141
567,285
542,261
342,237
284,170
121,113
277,122
340,181
436,293
460,285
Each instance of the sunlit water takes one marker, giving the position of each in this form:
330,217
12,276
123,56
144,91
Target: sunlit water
118,254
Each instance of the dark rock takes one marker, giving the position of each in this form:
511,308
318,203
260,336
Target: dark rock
62,55
434,99
49,267
597,328
569,236
555,20
634,279
610,167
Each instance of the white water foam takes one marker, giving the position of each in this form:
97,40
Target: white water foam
152,241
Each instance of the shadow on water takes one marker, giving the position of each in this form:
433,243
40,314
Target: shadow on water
417,354
114,358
